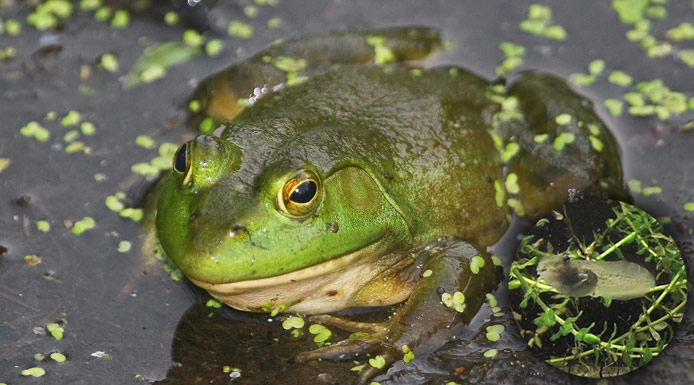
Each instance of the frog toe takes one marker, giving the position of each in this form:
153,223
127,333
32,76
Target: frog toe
383,355
340,350
350,326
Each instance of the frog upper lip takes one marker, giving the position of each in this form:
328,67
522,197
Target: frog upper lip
324,268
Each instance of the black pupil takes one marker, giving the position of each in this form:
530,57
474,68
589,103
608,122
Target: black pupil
304,192
181,159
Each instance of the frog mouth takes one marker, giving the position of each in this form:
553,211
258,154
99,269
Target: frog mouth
337,263
326,287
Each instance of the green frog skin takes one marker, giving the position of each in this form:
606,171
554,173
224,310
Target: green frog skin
620,280
341,182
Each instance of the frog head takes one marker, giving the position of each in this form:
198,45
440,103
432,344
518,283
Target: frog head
228,214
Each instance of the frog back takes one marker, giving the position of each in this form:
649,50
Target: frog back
421,135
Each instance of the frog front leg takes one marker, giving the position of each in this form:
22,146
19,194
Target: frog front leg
454,278
224,95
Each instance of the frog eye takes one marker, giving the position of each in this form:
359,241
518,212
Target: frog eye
181,164
300,195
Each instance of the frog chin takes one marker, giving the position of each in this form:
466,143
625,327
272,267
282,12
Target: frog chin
329,286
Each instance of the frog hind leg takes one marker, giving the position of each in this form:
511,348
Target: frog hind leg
569,150
224,95
423,316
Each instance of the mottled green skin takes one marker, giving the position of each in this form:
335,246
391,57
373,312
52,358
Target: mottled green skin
407,160
415,136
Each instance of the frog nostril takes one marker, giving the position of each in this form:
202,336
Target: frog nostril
236,230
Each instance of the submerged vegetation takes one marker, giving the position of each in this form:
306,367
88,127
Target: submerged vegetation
598,337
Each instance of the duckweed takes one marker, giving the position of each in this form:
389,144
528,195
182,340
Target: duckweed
121,19
43,226
171,18
103,13
382,53
58,357
596,67
113,202
596,143
109,62
288,64
563,119
214,47
687,56
322,333
145,141
377,362
55,330
619,78
539,23
684,31
77,147
35,130
206,125
124,246
72,118
455,301
4,163
634,186
510,151
614,106
492,300
145,169
193,38
563,139
293,323
48,14
514,57
500,193
516,205
250,11
274,23
90,5
240,29
71,136
34,372
213,303
152,73
494,332
409,354
630,11
12,27
84,224
651,190
476,263
132,214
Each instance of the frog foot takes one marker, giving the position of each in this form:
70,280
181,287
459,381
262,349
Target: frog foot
372,338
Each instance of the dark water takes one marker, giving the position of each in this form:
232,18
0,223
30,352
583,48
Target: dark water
126,306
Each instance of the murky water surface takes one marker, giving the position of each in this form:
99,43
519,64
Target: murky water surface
126,321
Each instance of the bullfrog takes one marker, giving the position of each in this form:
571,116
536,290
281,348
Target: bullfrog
341,172
577,277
